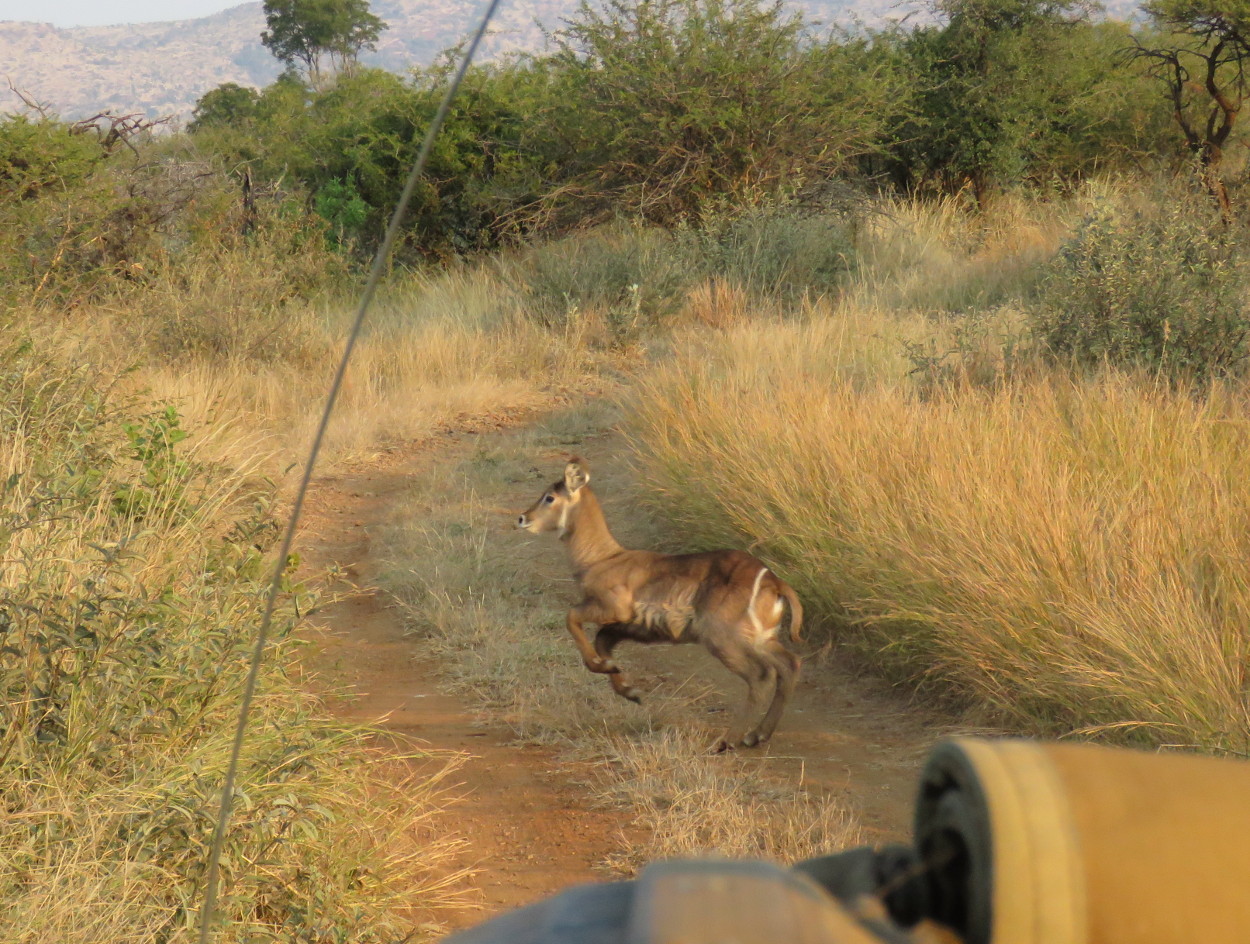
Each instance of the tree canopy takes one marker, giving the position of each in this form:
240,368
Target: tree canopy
313,32
1200,57
227,104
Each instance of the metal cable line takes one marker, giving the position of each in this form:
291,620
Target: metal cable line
207,912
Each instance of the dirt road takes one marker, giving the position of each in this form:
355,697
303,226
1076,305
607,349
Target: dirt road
524,812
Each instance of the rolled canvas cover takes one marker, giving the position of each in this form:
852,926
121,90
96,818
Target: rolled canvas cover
1033,843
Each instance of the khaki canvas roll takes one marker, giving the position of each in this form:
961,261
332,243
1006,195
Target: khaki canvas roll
1038,843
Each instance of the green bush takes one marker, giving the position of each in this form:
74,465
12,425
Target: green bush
97,481
1158,283
166,240
105,223
659,108
240,298
338,203
349,149
42,155
635,276
1011,92
781,252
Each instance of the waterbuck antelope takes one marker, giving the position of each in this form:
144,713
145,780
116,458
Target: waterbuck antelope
726,600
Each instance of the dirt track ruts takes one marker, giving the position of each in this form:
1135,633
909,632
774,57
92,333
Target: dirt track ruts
525,816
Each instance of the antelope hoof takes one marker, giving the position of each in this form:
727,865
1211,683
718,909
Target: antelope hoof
751,739
632,694
721,747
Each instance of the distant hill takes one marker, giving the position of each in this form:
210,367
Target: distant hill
163,68
155,68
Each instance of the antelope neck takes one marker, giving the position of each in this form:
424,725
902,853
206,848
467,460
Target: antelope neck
588,538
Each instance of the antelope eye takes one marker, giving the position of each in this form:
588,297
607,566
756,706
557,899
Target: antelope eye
548,499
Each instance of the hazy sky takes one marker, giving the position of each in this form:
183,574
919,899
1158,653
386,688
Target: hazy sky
107,12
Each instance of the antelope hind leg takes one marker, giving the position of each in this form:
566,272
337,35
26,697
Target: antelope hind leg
759,676
787,665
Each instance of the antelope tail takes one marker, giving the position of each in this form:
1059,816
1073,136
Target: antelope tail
796,609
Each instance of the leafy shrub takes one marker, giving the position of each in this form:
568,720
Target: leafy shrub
338,203
162,237
1158,283
658,107
349,148
1012,91
635,276
777,251
114,222
240,298
36,156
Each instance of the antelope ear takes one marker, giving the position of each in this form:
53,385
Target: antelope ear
575,475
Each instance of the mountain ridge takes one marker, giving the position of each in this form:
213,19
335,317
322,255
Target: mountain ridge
161,69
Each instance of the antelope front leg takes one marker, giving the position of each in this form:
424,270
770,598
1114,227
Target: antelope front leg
606,640
591,659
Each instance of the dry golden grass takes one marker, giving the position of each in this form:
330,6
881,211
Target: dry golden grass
938,256
1070,552
368,861
691,803
717,303
128,602
251,380
170,541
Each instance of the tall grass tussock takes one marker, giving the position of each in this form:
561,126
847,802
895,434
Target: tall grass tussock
1067,548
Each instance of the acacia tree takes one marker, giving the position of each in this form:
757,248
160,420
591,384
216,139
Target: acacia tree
313,32
1200,60
657,107
990,79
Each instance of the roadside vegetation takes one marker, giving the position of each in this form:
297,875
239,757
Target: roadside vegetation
131,590
959,342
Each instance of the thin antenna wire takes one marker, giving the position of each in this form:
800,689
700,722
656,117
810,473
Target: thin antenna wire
207,913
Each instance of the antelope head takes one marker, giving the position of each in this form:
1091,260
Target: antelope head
555,507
